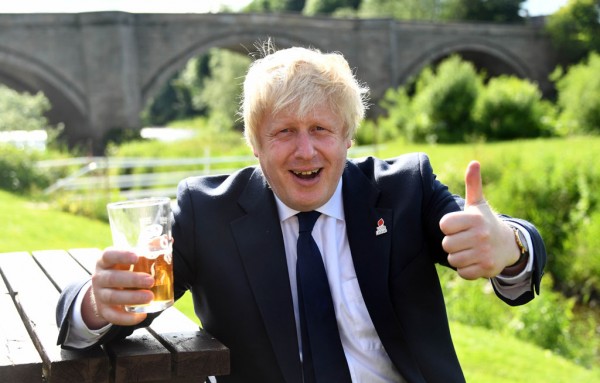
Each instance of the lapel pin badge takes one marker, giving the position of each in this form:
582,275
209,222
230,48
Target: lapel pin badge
381,229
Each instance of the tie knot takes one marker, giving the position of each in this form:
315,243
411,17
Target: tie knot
307,219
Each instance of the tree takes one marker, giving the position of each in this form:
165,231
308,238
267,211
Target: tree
179,97
314,7
401,9
503,11
222,89
275,6
22,111
575,30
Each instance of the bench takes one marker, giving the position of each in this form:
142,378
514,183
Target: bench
172,349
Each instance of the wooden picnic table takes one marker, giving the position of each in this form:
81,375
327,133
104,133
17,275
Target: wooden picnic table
172,349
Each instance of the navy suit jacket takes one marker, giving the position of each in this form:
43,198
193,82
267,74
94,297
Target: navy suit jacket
229,253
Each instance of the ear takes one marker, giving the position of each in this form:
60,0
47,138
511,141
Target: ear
349,143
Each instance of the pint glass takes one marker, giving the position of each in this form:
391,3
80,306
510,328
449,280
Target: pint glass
144,227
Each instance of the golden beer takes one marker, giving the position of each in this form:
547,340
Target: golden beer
160,265
144,227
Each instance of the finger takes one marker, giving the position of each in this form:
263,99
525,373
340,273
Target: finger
116,315
469,273
459,221
112,297
112,258
122,279
473,186
457,242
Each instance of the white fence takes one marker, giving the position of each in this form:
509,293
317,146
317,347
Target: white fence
97,177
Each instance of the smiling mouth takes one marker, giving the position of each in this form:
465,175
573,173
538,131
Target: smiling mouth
308,174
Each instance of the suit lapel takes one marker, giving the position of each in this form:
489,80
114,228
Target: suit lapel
260,243
371,256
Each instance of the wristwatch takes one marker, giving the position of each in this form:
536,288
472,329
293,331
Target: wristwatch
522,244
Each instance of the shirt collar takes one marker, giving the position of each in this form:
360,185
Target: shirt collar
333,208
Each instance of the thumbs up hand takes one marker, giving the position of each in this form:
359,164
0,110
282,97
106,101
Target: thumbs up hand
478,243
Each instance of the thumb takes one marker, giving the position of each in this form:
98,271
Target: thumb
473,188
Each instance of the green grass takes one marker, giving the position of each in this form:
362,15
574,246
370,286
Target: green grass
489,357
28,226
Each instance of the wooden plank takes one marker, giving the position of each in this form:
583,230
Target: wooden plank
197,354
19,359
60,267
139,358
36,297
86,257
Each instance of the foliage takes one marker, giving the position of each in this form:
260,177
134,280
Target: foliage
400,9
575,30
579,97
221,90
440,110
548,321
503,11
451,103
314,7
18,172
22,111
209,85
376,132
275,6
509,108
179,97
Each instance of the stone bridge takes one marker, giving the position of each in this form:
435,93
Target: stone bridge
99,69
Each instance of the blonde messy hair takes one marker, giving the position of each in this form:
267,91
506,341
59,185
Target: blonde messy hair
301,79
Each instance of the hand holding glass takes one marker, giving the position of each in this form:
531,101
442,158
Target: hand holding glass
144,227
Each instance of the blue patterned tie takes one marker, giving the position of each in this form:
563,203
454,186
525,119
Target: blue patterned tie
322,353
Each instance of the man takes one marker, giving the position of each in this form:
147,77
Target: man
381,227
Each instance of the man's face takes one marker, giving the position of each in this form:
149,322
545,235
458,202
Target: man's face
303,157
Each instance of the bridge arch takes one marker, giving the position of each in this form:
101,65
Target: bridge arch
241,42
481,54
26,74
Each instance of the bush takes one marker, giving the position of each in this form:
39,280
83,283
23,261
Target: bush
509,108
584,249
18,172
451,104
579,97
22,111
548,321
443,101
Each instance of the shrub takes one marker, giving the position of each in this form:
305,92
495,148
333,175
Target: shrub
584,251
443,102
22,111
18,172
509,108
579,97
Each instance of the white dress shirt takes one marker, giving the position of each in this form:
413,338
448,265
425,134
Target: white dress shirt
367,359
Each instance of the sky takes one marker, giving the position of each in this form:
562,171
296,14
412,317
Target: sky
534,7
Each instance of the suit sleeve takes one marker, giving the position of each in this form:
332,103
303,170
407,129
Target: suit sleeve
539,262
64,310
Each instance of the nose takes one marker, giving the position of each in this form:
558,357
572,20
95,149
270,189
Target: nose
305,148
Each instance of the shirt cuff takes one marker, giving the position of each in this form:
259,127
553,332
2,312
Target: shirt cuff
78,333
512,287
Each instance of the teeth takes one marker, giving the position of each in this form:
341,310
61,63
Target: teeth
307,173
